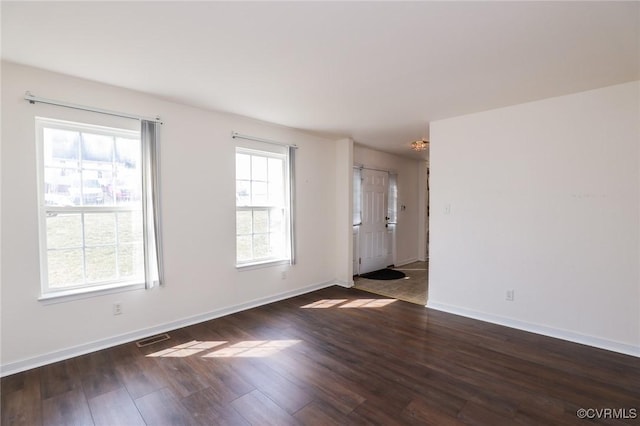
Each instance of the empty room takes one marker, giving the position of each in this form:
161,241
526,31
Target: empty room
436,215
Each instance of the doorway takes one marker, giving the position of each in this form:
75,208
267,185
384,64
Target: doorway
376,237
412,288
375,217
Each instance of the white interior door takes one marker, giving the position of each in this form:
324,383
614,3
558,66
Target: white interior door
375,244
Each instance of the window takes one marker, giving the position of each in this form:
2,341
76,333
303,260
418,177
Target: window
263,211
357,196
392,212
92,218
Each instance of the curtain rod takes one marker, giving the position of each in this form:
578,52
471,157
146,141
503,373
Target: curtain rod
236,135
33,99
361,167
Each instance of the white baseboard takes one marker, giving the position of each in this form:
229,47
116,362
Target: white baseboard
570,336
406,262
345,284
60,355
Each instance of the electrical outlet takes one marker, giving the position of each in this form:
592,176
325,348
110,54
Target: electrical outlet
117,308
510,296
284,275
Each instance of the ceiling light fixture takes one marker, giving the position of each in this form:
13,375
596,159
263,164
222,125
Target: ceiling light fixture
420,145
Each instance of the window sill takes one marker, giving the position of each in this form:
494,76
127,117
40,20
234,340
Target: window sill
88,292
265,264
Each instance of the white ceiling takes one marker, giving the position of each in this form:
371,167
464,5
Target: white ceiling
378,72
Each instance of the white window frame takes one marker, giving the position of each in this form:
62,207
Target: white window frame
86,288
267,151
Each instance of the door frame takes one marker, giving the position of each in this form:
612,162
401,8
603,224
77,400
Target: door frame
356,235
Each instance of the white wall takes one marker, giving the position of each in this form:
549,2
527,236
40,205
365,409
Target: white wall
344,209
543,198
407,238
198,223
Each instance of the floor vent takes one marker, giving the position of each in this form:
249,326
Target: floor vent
153,339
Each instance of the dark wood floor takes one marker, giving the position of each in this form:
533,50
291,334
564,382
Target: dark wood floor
335,356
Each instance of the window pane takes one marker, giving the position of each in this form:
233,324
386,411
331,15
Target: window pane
261,246
64,231
276,220
258,168
97,148
125,190
75,189
127,183
85,188
65,268
57,186
128,153
276,241
277,232
260,221
61,148
243,166
276,170
106,178
91,188
357,193
130,227
243,193
243,249
276,194
131,260
259,194
101,264
243,222
99,229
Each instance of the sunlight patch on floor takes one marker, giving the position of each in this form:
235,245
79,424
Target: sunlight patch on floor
345,303
252,349
246,349
325,303
367,303
186,349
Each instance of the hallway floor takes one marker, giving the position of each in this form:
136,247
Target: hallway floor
412,288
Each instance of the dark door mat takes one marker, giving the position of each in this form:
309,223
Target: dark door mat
384,274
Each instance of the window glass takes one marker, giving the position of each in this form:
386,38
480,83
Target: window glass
91,191
262,211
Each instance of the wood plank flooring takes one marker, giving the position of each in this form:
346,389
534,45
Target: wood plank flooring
332,357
